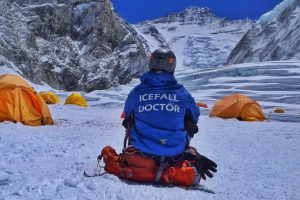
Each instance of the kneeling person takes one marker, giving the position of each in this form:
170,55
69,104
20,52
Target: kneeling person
160,119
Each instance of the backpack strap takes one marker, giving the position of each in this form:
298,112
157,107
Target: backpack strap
127,123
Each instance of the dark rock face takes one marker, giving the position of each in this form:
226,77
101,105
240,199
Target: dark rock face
70,44
276,38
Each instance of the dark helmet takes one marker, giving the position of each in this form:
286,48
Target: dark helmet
163,59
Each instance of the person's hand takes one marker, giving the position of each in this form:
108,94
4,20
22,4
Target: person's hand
205,166
190,126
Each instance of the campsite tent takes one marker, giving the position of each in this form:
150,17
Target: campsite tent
20,103
238,106
76,99
278,110
49,97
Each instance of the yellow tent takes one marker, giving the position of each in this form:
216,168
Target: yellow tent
238,106
49,97
76,99
20,103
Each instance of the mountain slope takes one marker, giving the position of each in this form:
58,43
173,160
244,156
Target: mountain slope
276,36
70,45
198,38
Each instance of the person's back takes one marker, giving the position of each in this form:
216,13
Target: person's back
159,105
160,118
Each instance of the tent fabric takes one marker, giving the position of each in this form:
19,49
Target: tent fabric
278,110
13,79
76,99
20,103
49,97
238,106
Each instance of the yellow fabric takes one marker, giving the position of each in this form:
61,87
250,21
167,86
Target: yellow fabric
20,103
55,97
76,99
238,106
49,97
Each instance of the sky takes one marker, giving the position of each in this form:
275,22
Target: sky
135,11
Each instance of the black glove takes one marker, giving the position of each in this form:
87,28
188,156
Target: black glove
203,165
190,126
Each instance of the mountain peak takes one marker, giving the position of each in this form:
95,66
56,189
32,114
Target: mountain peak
197,9
192,14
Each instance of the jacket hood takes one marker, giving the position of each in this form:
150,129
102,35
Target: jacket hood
159,78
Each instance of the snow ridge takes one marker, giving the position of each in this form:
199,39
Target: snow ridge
276,36
269,16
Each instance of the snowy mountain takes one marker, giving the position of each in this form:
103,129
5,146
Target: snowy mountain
275,36
198,37
70,45
256,160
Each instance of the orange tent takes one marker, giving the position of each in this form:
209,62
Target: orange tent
238,106
278,110
20,103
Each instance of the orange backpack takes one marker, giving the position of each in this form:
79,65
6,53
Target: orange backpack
132,166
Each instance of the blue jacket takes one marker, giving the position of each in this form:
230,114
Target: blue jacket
159,105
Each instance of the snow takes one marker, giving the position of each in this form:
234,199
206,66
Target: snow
5,70
196,44
256,160
269,16
82,7
127,49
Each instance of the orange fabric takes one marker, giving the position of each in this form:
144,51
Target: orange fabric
123,115
182,173
129,166
278,110
13,79
132,166
238,106
199,104
20,103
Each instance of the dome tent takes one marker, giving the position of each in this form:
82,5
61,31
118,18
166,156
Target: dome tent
49,97
278,110
20,103
76,99
238,106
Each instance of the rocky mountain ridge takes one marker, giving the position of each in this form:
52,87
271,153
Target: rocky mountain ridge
192,14
70,44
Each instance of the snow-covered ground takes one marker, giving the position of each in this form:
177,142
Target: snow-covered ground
256,160
272,84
